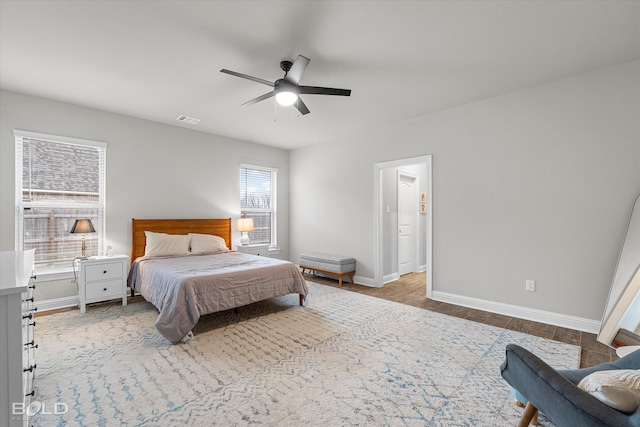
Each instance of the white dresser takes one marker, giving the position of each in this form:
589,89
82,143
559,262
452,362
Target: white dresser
17,345
102,278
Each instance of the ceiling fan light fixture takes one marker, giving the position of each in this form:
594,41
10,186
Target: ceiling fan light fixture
286,98
287,90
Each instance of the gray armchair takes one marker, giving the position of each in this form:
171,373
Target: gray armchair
555,393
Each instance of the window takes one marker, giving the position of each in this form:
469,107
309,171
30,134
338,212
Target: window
58,180
258,201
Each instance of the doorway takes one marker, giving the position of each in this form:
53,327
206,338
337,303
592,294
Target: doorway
386,248
407,222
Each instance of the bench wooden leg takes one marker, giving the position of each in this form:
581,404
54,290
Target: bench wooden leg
331,273
530,414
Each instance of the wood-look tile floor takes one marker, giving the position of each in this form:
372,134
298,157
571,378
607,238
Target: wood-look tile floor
411,290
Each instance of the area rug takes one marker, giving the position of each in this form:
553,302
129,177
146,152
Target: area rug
345,359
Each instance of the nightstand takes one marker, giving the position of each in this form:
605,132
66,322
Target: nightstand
102,278
260,250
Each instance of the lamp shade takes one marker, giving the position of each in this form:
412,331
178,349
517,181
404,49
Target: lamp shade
245,224
82,226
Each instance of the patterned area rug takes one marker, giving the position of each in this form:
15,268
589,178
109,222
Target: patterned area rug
345,359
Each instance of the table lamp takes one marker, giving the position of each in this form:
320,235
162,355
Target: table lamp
245,225
83,226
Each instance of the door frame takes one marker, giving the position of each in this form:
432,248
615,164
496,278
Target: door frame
414,218
378,210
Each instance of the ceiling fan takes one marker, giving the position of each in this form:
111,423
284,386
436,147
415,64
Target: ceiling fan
287,90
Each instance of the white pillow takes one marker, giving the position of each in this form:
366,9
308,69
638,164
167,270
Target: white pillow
618,388
161,244
207,244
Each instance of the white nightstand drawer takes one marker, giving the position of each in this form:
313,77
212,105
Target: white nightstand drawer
106,271
259,250
104,290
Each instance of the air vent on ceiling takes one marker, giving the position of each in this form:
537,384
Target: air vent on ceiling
187,119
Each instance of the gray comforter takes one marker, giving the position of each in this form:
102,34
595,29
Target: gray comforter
187,287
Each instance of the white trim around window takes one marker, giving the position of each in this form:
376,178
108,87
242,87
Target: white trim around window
48,211
273,210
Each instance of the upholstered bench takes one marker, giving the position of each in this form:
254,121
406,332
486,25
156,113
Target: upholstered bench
336,265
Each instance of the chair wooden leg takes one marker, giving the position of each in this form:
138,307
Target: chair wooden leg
530,413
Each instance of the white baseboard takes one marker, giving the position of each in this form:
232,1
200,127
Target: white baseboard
366,281
56,303
390,278
359,280
548,317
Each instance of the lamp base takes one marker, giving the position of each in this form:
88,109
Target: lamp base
244,239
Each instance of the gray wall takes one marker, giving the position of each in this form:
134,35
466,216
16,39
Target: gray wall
153,171
535,184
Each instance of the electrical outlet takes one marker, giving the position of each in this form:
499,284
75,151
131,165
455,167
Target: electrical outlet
530,285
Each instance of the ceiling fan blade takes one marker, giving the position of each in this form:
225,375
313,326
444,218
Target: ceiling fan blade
297,69
260,98
301,106
316,90
244,76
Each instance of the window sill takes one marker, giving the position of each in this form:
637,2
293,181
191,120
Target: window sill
51,275
274,250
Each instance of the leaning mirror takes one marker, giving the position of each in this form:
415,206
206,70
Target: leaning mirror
621,320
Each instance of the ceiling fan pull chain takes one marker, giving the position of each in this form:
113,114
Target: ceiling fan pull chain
275,111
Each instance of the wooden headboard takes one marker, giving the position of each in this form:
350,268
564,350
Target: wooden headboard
217,227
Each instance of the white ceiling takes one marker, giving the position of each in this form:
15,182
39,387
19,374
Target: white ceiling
160,59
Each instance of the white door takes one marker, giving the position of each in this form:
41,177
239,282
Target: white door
407,213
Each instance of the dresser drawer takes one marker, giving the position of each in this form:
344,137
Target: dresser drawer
106,271
104,290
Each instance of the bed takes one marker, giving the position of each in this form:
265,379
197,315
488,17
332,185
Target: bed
185,286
